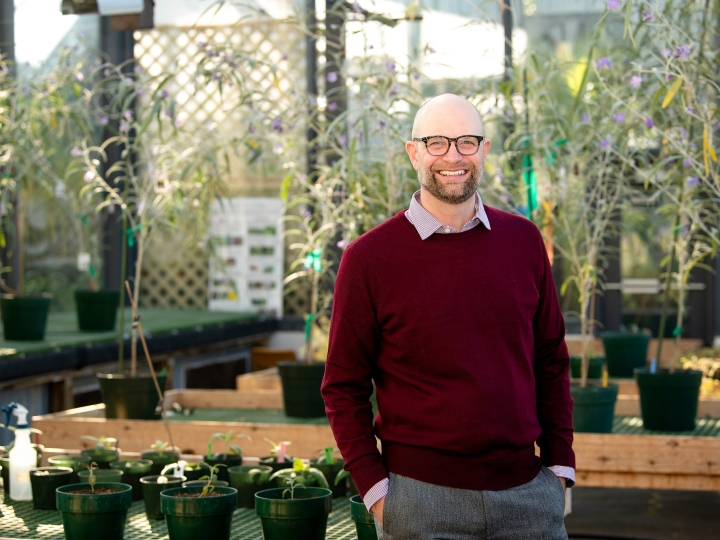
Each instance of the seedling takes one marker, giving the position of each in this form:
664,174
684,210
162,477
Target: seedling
292,483
211,478
162,446
227,438
278,450
326,455
342,475
91,477
302,473
102,442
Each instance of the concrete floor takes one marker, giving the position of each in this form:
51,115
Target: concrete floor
643,514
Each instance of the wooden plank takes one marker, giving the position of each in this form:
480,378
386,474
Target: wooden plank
687,482
225,399
266,379
629,405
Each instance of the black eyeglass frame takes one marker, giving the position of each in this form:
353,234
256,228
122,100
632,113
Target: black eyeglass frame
450,140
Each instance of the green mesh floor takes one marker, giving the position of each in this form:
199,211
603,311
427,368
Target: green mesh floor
260,416
632,425
19,521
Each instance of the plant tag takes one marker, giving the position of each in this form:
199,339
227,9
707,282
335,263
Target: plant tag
281,453
604,377
328,455
83,262
653,365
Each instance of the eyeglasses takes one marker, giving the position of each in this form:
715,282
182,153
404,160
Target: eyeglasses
438,145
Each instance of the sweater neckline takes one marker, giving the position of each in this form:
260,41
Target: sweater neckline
442,237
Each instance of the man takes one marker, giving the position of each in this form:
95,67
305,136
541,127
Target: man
450,308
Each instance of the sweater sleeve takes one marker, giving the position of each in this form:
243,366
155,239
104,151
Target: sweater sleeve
351,360
552,378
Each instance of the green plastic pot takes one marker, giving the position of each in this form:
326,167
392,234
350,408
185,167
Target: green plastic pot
595,368
198,517
624,352
248,480
593,407
330,472
44,482
24,318
89,517
230,460
669,401
97,310
73,462
272,462
302,518
160,459
130,398
202,483
364,521
301,388
5,464
103,457
196,474
102,475
151,493
132,472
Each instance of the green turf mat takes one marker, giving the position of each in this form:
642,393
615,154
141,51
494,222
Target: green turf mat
62,328
259,416
19,521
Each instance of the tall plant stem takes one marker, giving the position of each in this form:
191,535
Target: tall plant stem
123,276
311,316
666,292
136,294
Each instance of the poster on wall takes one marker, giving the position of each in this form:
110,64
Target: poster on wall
246,271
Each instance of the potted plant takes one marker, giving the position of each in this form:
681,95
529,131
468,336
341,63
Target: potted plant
152,486
278,459
364,520
199,512
330,467
92,507
296,512
132,472
625,350
44,482
103,452
248,480
161,455
301,474
230,458
73,462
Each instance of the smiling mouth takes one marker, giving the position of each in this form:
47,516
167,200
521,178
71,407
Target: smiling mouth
459,172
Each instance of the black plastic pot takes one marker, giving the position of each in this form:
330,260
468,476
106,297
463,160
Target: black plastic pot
248,480
132,472
669,401
73,462
229,460
130,398
624,352
594,369
151,493
195,474
24,318
364,521
302,518
160,459
97,310
103,457
331,471
272,462
593,407
301,388
90,517
198,517
44,482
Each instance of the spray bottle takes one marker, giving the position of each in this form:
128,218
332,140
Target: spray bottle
22,457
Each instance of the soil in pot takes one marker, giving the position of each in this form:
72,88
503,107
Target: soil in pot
73,462
364,521
595,368
203,483
151,493
272,462
248,480
302,518
102,456
191,517
130,398
230,460
5,464
331,471
301,388
103,475
97,310
624,352
593,407
24,318
669,401
132,472
160,459
98,514
44,482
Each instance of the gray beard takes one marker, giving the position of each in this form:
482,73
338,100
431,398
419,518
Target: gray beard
437,190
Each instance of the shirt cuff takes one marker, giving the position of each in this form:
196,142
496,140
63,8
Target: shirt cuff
568,473
375,493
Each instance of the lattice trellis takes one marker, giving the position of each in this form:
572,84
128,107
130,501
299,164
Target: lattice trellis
179,278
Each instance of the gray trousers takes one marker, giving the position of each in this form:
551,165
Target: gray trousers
416,510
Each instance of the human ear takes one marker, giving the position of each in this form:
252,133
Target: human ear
412,152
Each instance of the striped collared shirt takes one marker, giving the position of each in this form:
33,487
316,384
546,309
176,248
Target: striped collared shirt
427,225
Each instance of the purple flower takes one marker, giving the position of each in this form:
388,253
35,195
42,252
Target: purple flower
649,123
689,110
137,69
141,91
127,115
202,44
332,106
382,124
416,76
169,113
619,118
390,66
604,62
693,181
342,244
683,51
332,76
285,56
305,212
685,229
359,135
665,52
613,4
431,50
104,120
106,72
371,47
646,16
209,53
356,7
687,163
164,94
76,151
124,127
251,129
343,140
79,76
635,81
216,76
88,176
684,133
277,125
604,143
393,91
585,118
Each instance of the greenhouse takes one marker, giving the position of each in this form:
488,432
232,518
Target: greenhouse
385,269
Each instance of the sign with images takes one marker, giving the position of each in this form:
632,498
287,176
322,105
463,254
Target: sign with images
246,271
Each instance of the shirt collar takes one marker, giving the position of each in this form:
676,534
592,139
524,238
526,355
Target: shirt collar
426,224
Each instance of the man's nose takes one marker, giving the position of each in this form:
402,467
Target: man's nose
453,154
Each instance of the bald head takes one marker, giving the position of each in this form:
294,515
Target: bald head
447,112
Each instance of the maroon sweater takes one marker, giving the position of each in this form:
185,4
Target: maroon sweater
464,338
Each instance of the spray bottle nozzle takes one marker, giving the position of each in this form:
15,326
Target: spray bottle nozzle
19,411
